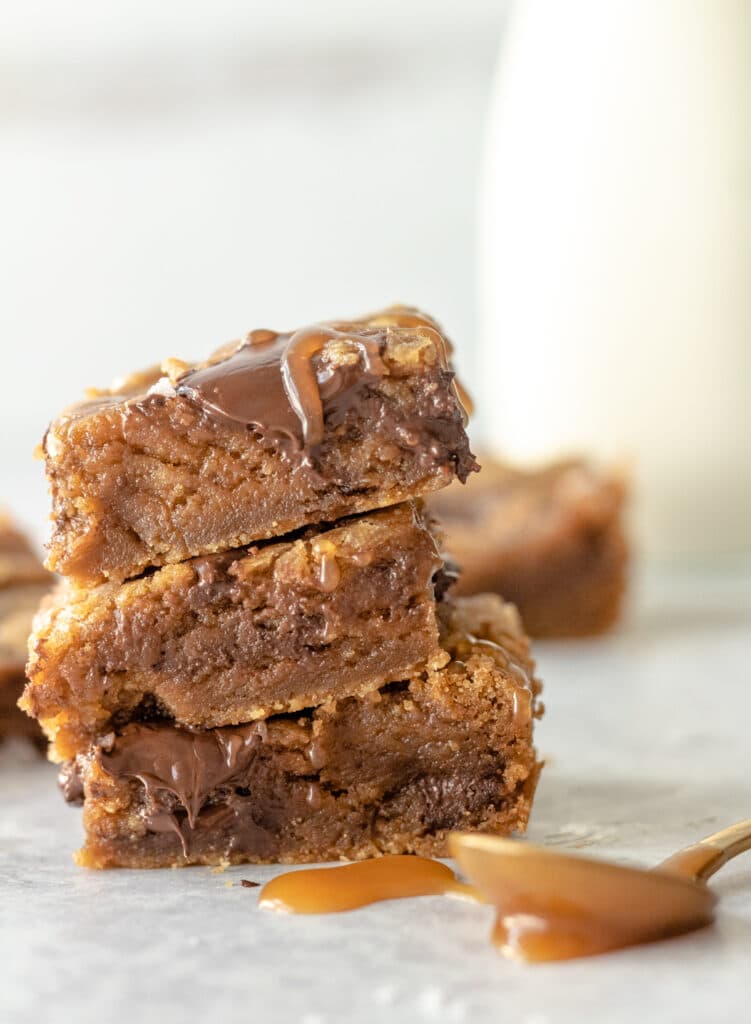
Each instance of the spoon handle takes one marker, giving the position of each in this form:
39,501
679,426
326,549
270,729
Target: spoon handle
701,860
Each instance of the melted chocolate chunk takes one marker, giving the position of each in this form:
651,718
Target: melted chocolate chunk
190,778
274,383
247,388
283,387
189,764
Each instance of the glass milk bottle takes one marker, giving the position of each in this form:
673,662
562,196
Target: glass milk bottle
615,256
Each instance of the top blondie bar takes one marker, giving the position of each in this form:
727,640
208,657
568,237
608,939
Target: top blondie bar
271,433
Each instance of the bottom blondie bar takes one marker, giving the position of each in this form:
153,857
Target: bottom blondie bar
390,772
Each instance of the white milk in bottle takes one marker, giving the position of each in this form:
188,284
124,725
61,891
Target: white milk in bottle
615,256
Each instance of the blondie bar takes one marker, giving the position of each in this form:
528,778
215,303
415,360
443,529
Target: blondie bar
232,637
550,540
272,433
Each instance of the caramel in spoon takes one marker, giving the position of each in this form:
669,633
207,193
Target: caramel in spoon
555,906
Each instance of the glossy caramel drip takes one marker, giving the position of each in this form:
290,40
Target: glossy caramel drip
287,388
412,319
300,381
300,378
332,890
550,906
535,938
465,400
550,935
404,316
329,573
261,336
523,695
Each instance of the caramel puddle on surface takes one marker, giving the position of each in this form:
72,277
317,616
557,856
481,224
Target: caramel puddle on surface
554,906
348,886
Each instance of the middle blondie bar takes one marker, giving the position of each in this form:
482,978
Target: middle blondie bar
333,612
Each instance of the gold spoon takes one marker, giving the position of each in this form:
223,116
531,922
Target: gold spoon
556,906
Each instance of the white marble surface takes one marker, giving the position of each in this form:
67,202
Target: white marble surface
646,738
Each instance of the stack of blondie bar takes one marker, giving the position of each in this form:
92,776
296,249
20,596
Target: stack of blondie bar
252,655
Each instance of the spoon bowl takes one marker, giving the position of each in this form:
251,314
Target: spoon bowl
555,905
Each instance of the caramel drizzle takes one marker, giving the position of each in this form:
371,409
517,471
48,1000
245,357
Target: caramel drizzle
300,379
401,316
524,693
329,574
299,375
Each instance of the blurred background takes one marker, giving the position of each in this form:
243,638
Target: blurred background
176,173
